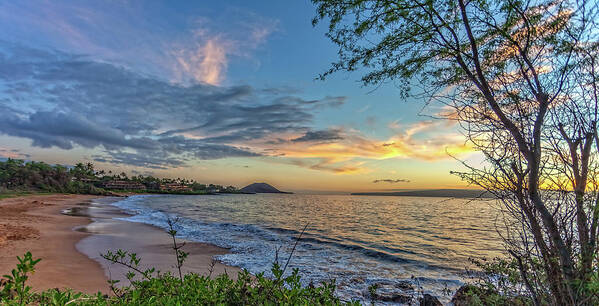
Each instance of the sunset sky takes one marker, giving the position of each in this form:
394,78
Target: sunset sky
219,91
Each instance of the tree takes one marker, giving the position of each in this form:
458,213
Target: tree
198,186
520,79
17,175
83,171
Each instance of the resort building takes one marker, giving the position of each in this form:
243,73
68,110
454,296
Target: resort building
124,185
174,187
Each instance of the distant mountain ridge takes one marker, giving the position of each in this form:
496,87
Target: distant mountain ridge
441,193
260,188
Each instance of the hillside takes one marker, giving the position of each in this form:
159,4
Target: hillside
260,188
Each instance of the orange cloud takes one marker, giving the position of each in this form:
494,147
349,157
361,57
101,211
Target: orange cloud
213,64
207,64
207,59
348,154
324,164
12,153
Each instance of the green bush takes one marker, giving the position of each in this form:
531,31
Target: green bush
500,282
156,288
151,287
14,290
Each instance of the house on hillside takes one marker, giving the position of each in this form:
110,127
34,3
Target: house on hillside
212,190
123,185
175,187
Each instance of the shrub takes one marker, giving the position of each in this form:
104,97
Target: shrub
14,288
151,287
166,289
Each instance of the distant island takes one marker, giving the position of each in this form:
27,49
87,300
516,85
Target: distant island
261,188
439,193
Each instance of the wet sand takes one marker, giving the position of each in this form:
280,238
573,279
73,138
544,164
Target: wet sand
69,244
152,244
35,224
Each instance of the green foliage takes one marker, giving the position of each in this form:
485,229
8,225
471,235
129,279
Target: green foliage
83,171
166,289
177,247
591,287
479,296
499,282
514,75
20,177
498,275
150,287
424,42
198,187
57,297
372,292
14,288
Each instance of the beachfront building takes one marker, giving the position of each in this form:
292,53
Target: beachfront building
174,187
214,188
124,185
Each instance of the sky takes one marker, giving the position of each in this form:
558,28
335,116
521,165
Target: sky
222,92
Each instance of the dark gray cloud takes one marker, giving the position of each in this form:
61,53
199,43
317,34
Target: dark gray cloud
320,136
202,149
392,181
64,100
48,129
139,160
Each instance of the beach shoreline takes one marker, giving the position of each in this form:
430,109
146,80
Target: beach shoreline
68,232
152,244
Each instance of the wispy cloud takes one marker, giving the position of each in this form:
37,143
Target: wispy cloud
205,56
62,100
345,151
391,181
12,153
364,108
394,125
331,165
330,135
206,64
193,49
353,144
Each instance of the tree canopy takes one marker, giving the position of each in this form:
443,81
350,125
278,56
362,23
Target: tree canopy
520,77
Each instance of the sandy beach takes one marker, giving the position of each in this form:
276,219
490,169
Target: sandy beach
70,231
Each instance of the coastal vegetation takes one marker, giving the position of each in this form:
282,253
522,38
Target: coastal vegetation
155,288
152,287
520,80
18,177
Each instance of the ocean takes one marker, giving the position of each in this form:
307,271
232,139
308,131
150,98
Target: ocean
356,240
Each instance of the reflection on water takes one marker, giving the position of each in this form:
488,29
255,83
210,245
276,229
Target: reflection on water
358,240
